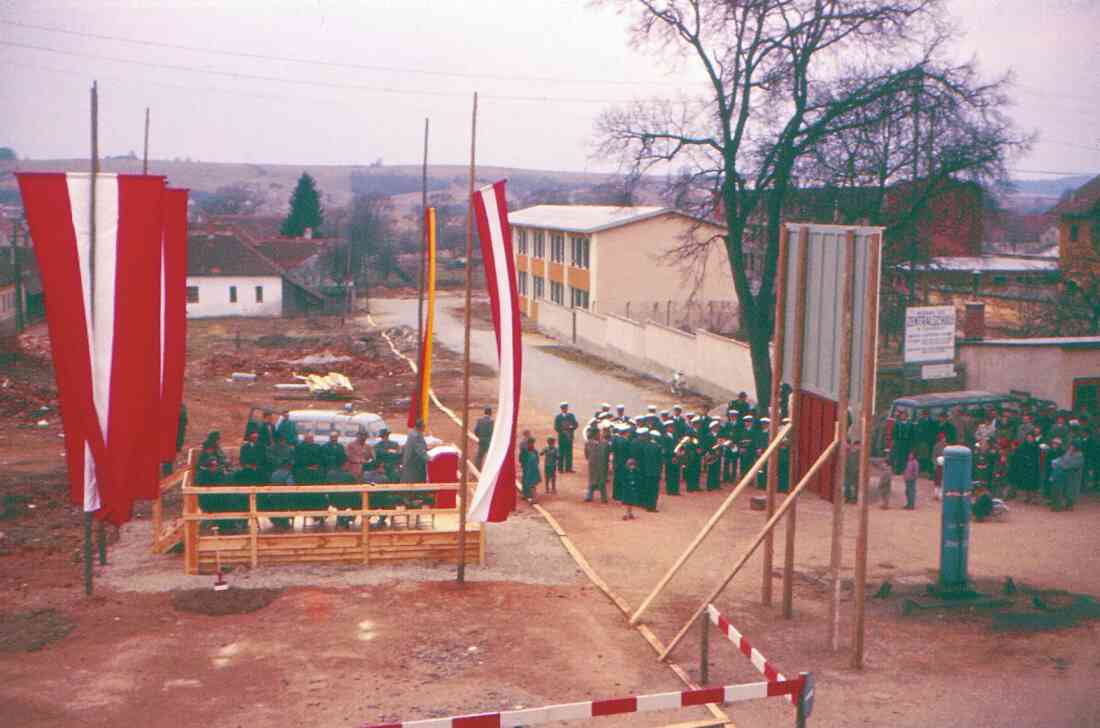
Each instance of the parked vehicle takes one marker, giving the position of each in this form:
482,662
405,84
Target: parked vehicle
348,422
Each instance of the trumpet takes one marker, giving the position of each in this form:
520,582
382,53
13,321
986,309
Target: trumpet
678,451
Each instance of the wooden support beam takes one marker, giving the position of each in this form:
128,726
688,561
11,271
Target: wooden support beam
867,414
783,509
746,480
841,471
796,409
780,351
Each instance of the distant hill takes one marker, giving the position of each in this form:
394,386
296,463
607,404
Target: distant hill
1049,187
337,183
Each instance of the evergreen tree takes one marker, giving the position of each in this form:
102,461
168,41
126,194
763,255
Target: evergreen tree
305,208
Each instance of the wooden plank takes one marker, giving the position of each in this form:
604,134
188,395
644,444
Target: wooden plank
253,530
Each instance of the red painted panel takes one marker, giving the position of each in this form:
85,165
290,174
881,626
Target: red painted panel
815,429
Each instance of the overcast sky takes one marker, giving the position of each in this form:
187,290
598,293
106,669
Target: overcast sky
423,58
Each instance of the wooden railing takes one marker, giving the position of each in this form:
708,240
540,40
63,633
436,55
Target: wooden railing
202,550
168,534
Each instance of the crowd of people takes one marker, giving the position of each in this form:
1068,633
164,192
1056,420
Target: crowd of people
1037,454
273,452
635,455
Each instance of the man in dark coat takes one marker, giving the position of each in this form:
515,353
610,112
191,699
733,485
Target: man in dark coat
483,430
1023,467
334,456
288,429
565,424
309,469
672,467
651,462
901,441
729,432
414,457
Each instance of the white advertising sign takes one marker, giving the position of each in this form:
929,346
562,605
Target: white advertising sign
929,334
937,371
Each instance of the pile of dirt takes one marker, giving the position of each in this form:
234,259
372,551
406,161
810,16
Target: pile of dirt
282,356
31,631
221,603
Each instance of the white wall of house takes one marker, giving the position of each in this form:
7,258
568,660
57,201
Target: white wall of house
214,296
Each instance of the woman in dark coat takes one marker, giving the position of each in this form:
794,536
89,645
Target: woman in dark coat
1023,469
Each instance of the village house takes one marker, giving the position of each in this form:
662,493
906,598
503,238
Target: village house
228,277
605,259
1078,220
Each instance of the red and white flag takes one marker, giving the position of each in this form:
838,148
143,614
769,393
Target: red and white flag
104,324
173,332
495,496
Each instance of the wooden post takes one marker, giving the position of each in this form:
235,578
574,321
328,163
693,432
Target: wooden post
704,652
91,312
870,360
841,471
145,154
796,410
776,410
783,509
462,489
746,480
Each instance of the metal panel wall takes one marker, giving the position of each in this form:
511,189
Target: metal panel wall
824,300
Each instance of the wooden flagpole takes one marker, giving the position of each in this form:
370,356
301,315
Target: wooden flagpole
841,471
777,405
870,358
420,276
465,466
145,154
91,313
796,410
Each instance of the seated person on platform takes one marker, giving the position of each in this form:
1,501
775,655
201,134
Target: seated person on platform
335,459
210,474
212,447
253,452
359,453
280,460
386,468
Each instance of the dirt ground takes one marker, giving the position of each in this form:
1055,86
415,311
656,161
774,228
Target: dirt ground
343,649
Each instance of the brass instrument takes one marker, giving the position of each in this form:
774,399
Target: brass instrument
678,451
714,454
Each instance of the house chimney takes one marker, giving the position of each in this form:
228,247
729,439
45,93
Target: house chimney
974,321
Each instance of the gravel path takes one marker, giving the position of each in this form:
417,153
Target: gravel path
524,550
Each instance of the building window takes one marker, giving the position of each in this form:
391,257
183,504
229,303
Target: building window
521,241
522,280
259,294
578,297
192,294
579,250
539,244
232,294
540,286
557,293
1073,232
557,247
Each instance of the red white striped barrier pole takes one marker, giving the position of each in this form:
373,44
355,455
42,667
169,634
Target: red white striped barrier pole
757,659
614,706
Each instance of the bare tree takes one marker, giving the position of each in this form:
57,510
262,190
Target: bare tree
370,239
783,79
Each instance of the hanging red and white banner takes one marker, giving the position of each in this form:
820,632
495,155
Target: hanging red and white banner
173,318
104,323
495,496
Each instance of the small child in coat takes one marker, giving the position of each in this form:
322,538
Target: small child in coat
912,472
631,488
550,457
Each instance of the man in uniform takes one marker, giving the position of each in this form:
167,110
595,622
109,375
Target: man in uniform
729,432
741,405
288,429
266,429
254,454
483,430
901,442
681,424
687,455
668,444
309,463
280,461
713,453
597,451
761,436
565,424
650,464
333,456
620,453
747,445
620,416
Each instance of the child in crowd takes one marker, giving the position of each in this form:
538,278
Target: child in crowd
912,472
631,488
884,484
529,469
550,456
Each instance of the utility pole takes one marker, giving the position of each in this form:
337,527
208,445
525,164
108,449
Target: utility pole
17,269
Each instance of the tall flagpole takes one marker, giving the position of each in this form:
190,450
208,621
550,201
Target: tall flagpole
91,316
420,275
464,465
145,154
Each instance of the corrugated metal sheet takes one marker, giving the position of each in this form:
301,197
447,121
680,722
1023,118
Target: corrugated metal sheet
824,300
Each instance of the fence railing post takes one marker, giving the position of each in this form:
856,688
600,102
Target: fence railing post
704,651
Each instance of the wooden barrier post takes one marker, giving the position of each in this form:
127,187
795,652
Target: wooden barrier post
704,652
870,358
776,408
463,501
796,410
746,480
783,509
841,471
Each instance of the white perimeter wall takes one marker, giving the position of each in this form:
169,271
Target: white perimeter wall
714,365
1046,372
214,296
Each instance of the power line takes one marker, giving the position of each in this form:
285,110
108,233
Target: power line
1047,171
334,64
303,82
1069,144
